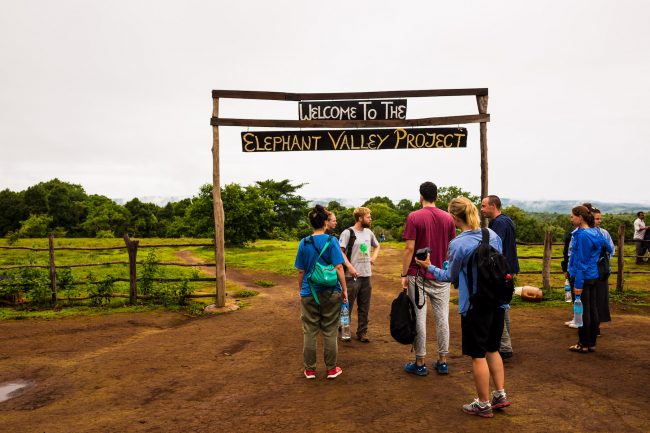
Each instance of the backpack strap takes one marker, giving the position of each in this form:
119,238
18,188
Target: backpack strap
485,238
311,286
350,245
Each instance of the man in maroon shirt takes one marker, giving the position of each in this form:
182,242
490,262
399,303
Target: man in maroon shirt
433,228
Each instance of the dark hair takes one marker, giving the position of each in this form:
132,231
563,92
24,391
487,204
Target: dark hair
585,213
638,214
318,216
494,200
429,191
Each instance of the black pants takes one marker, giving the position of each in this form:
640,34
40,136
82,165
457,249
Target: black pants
588,332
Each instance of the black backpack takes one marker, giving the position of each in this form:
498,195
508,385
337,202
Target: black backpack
402,319
494,285
604,270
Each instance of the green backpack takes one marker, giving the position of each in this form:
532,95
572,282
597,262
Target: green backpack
321,275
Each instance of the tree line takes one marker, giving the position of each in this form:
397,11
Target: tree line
267,209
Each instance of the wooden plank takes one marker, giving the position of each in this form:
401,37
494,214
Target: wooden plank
219,237
288,123
353,139
482,102
621,258
50,240
284,96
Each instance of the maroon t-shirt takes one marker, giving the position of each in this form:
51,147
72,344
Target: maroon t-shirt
429,227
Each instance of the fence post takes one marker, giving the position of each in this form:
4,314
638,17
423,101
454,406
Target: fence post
52,268
621,255
546,263
132,249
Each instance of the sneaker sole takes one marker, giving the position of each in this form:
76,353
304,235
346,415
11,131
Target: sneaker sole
501,405
335,375
426,373
310,377
481,414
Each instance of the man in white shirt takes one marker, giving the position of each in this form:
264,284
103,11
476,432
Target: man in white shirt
639,233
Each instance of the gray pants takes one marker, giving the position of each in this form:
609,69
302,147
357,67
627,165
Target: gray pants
438,295
506,342
360,291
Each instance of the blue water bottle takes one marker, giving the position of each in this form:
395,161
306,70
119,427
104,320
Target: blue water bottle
567,291
577,311
345,322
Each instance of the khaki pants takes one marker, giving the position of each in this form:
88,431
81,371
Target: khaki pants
360,290
320,318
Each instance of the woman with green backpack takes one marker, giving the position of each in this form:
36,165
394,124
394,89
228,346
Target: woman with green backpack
321,281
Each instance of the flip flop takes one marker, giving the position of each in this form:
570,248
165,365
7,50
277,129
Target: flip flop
579,348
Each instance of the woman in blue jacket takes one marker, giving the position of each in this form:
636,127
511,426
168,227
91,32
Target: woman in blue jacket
481,325
586,244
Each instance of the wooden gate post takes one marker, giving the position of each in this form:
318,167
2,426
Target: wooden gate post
621,255
52,268
219,242
132,249
546,263
482,102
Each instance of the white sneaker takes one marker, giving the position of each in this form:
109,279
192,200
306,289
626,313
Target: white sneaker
569,323
573,325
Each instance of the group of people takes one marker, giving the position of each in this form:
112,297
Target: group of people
583,247
449,239
485,330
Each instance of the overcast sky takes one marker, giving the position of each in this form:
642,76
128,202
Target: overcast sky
116,96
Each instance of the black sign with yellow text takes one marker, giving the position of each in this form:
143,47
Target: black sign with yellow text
355,139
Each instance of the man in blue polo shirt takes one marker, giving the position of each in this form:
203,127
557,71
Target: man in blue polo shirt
505,228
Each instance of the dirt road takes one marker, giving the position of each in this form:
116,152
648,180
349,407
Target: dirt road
242,372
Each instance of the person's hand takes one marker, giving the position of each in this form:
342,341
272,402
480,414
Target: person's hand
423,263
344,295
353,271
405,283
577,292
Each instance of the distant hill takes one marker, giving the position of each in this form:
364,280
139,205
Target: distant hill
564,206
551,206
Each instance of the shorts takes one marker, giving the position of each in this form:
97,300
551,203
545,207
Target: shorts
481,331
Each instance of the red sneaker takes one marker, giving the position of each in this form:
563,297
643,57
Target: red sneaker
310,374
334,373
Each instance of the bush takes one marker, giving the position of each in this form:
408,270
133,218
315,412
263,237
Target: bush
104,234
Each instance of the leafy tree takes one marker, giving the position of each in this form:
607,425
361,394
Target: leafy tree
104,214
142,220
288,207
199,215
447,193
36,226
11,211
529,229
379,200
247,213
35,200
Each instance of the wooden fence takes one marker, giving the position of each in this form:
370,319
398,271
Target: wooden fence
132,247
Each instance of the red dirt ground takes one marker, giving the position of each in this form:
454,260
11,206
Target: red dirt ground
242,372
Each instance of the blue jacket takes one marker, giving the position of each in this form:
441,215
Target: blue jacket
306,259
585,250
461,249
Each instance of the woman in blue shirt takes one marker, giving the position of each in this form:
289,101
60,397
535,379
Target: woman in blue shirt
481,325
586,244
322,315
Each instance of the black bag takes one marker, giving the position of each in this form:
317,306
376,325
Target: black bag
349,246
604,270
402,319
494,285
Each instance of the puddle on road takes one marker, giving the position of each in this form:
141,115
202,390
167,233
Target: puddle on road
7,388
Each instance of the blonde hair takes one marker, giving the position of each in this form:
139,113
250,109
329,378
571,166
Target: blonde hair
463,209
360,212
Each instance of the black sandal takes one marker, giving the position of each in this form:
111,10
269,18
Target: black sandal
579,348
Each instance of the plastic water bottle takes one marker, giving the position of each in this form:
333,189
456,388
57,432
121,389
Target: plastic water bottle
345,322
577,311
567,291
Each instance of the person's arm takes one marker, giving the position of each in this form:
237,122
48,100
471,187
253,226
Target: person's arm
301,275
375,252
351,269
344,288
406,261
577,259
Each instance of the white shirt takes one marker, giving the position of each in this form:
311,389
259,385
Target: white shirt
639,229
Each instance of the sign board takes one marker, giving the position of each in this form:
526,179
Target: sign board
355,139
352,110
